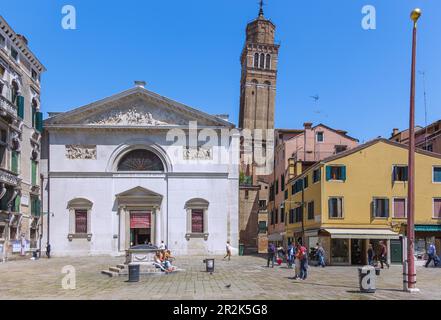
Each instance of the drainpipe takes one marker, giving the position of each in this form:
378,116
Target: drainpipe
41,212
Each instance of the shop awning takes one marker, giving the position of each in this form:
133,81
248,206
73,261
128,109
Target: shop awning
275,237
428,228
362,234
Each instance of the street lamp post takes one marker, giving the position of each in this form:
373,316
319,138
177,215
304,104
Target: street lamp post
411,271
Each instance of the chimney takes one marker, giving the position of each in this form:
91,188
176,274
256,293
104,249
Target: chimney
395,131
140,84
224,117
307,125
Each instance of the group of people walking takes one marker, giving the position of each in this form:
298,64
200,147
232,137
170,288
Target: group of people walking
381,257
296,256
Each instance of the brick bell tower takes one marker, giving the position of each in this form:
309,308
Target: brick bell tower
259,75
259,61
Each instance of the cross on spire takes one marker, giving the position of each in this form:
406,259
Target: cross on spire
261,8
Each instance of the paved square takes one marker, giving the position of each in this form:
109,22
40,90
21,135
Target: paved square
248,276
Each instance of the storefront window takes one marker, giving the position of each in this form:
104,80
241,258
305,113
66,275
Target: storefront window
340,250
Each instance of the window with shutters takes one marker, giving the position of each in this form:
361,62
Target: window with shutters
14,161
34,166
400,173
298,214
380,207
291,216
320,136
16,204
437,174
197,221
336,173
437,208
297,186
81,221
400,208
35,206
317,175
305,182
311,210
335,207
197,218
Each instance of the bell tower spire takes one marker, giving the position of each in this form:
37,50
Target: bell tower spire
261,8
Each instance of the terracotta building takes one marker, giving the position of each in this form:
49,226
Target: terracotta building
295,151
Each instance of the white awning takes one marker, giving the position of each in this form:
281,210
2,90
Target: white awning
362,234
275,237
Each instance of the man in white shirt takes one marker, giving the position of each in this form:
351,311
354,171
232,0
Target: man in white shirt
228,248
162,246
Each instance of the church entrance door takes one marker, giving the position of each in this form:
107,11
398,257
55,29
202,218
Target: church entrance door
140,227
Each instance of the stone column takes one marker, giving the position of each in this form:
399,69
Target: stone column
157,226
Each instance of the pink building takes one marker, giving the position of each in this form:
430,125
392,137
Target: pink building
294,151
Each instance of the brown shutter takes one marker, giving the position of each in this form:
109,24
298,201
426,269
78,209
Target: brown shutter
197,221
80,221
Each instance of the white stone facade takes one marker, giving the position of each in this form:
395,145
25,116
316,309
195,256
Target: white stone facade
83,149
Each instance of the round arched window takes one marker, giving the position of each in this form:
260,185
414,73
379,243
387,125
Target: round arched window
140,160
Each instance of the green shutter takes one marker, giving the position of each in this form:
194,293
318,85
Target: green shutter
39,121
328,173
34,118
14,161
406,174
343,173
37,207
20,105
17,202
34,173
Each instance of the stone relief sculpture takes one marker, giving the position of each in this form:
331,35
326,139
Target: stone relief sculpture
199,153
76,152
126,117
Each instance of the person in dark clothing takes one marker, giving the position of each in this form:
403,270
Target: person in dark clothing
383,255
431,254
370,254
271,254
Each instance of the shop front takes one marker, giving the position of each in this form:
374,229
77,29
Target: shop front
349,246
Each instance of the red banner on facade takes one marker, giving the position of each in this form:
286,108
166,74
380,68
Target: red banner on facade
140,220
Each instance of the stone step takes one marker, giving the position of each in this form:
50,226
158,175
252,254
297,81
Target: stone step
115,269
110,273
121,266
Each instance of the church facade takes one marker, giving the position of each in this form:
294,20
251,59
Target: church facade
138,168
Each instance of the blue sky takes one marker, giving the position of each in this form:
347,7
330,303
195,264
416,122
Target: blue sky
189,51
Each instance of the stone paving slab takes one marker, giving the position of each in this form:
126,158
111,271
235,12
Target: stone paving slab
248,277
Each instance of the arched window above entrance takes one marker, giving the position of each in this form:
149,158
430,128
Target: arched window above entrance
140,160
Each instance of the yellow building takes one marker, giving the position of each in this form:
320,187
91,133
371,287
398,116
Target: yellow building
359,197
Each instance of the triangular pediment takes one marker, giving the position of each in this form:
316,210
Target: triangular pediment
138,192
135,107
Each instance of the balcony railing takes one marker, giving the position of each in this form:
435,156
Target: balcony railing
9,178
7,106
